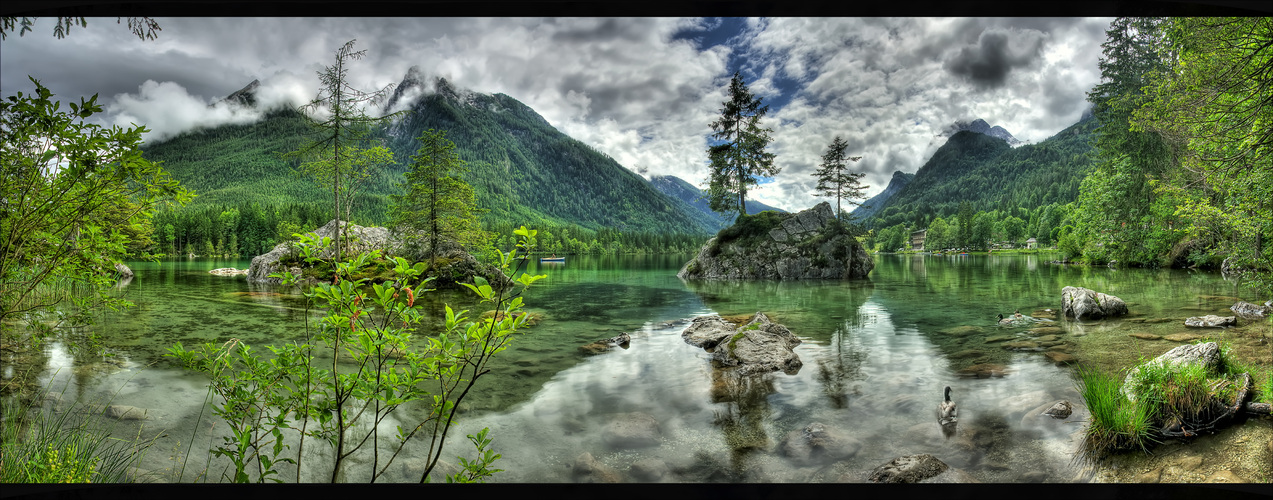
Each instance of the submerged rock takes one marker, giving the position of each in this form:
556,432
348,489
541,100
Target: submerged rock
1080,303
817,443
806,245
588,470
983,370
631,430
908,469
1061,358
650,470
124,412
228,271
1211,321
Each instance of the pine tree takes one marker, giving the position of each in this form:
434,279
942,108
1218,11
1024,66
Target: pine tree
740,157
835,179
436,198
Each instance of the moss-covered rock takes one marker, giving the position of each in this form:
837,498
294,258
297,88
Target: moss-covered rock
810,244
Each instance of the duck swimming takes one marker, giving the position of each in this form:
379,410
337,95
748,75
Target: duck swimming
947,413
1016,318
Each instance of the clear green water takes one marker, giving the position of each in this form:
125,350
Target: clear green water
876,356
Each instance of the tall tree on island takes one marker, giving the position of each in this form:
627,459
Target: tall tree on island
740,156
341,124
436,199
835,179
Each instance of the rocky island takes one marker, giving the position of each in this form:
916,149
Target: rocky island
449,263
811,244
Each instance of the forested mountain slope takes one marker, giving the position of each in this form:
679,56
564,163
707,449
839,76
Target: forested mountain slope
522,169
990,175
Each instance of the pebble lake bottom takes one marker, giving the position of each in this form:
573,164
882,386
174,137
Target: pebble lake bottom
876,355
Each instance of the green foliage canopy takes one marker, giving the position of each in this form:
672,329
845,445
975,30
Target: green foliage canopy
437,199
74,196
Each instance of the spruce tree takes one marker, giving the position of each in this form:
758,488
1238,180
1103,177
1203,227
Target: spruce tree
835,179
436,198
740,156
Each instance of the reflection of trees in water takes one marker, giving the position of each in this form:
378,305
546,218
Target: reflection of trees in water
603,302
842,366
742,417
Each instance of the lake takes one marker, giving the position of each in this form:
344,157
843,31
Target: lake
876,355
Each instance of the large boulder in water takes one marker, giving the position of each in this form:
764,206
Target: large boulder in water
1250,311
449,264
810,244
1211,321
760,346
1082,303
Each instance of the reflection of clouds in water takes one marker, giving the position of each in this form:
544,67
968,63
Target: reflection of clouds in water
875,360
886,380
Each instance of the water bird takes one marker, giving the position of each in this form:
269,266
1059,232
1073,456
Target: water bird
1016,317
947,412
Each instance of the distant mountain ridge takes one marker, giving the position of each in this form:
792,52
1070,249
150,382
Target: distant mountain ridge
873,205
523,170
985,171
678,188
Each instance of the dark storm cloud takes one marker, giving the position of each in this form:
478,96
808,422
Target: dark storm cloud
995,54
605,30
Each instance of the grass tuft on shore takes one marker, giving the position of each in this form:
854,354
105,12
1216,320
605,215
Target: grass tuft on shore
1160,396
1116,422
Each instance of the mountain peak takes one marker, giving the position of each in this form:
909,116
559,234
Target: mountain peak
981,127
870,207
245,96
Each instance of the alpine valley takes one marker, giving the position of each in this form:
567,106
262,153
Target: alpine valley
511,152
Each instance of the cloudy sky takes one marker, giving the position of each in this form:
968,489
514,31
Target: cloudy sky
643,90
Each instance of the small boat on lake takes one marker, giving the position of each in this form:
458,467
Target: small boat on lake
552,259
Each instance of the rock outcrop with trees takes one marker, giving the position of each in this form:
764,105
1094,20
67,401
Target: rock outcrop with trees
811,244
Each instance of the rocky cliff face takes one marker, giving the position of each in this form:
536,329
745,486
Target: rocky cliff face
805,245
